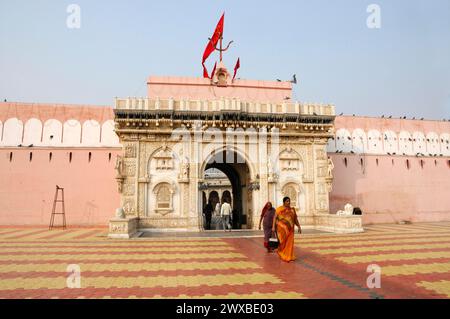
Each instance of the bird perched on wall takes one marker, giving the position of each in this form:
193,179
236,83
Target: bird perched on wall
388,153
382,116
422,119
287,98
294,79
31,145
390,116
413,118
341,114
278,80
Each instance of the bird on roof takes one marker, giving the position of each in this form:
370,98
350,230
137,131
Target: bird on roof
278,80
342,113
382,116
390,116
294,79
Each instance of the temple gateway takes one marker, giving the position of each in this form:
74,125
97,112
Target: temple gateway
267,146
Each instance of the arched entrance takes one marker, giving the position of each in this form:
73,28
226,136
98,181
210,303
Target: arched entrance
237,170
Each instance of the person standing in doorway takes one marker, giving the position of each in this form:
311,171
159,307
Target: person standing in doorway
217,209
225,214
267,214
284,223
208,214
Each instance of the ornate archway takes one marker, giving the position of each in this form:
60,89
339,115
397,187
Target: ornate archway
236,168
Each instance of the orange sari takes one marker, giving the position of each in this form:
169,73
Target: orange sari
285,223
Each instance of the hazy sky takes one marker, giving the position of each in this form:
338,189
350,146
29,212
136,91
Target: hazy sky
403,68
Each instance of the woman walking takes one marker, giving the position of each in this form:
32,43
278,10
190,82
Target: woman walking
267,214
284,223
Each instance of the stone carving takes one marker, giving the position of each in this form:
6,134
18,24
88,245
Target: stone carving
119,176
322,204
128,207
130,150
330,167
128,187
184,170
120,228
141,199
348,210
320,154
164,159
120,213
130,167
322,189
272,176
119,165
289,160
163,195
321,171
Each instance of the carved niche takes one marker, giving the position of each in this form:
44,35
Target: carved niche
291,190
289,160
163,193
164,159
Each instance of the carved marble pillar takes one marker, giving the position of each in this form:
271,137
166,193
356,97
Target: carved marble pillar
143,186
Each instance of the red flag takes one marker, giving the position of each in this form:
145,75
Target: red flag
237,66
210,47
214,70
205,71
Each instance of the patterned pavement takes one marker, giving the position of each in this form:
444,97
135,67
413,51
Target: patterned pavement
414,261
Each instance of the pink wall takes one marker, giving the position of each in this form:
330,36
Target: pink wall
389,192
201,89
386,192
61,112
27,187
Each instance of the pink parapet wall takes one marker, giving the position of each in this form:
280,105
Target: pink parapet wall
29,178
387,191
390,189
166,87
61,112
394,124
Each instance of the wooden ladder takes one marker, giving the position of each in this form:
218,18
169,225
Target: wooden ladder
56,200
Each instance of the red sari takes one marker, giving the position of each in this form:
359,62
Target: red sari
286,218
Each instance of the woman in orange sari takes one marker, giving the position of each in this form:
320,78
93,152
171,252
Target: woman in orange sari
284,223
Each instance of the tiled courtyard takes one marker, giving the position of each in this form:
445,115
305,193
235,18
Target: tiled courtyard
414,261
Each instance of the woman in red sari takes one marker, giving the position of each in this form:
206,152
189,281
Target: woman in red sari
284,223
267,214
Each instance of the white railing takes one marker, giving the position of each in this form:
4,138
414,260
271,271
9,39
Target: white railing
223,105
